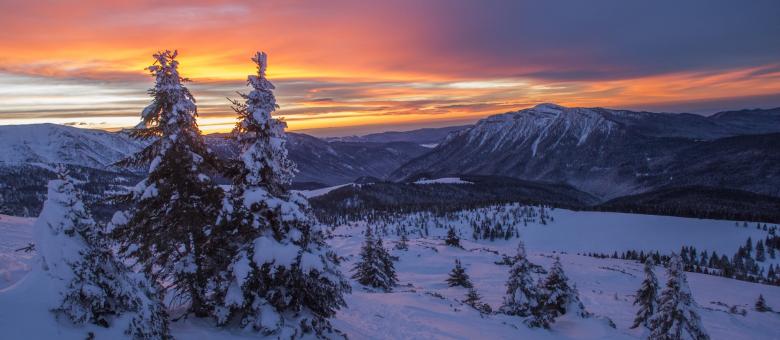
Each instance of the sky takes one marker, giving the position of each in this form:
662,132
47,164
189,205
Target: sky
355,67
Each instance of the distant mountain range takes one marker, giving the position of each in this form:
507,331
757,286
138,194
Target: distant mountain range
612,153
427,136
28,153
582,156
327,162
324,163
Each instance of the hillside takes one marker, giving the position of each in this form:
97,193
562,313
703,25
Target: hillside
612,153
28,153
699,201
422,306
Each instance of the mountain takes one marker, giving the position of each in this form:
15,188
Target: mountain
28,152
321,161
611,153
427,136
335,162
59,144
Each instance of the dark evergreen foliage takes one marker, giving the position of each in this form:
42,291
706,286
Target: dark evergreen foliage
458,277
522,295
761,304
452,239
677,316
166,228
646,296
275,273
556,298
375,268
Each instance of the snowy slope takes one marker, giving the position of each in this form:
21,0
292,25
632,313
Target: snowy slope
423,307
51,144
15,233
611,153
443,180
321,191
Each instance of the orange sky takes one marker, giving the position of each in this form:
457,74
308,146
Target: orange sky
345,67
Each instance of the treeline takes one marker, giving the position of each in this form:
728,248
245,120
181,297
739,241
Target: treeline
488,223
746,264
23,188
699,202
368,200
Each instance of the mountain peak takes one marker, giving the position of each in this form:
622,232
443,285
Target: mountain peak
549,108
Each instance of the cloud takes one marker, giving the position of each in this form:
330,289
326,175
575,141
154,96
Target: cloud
358,63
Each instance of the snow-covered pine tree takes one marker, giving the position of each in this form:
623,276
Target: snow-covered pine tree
522,294
459,277
375,268
556,298
96,287
282,279
761,304
172,211
677,316
646,296
387,263
452,238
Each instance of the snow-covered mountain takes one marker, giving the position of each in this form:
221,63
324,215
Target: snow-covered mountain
330,163
53,144
335,162
610,153
28,152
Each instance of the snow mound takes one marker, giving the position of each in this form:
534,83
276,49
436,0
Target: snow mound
443,180
321,191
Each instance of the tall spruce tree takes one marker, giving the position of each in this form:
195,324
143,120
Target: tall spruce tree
375,267
282,278
522,295
459,277
556,298
98,288
172,211
677,316
646,296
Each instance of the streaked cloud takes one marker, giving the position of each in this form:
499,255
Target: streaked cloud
345,66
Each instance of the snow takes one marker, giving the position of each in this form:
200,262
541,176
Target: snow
549,108
321,191
15,233
545,125
268,250
54,144
423,306
443,180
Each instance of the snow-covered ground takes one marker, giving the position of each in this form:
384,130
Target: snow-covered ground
444,180
15,233
423,307
320,191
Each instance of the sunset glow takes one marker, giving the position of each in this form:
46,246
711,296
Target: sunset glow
344,67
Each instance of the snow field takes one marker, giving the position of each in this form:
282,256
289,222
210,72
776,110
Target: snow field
424,307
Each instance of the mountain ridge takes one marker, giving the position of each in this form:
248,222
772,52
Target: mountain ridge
608,153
